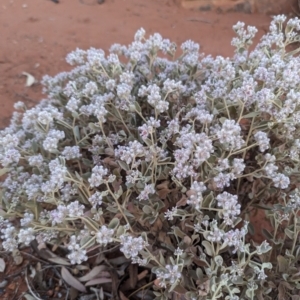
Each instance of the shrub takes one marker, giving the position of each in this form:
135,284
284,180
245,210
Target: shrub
160,159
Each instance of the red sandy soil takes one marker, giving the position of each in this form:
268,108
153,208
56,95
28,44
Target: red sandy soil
36,35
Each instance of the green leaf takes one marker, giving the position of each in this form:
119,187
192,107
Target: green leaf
289,233
261,206
162,259
267,234
97,281
123,165
59,260
285,276
4,171
222,120
86,162
144,236
94,127
147,209
121,230
87,241
238,280
289,254
75,115
114,223
251,115
137,107
2,265
208,200
93,273
34,146
112,209
199,273
208,248
76,133
250,294
148,142
218,260
251,229
29,297
91,224
71,280
283,264
267,265
178,232
78,176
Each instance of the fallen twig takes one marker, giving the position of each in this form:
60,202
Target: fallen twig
199,20
29,287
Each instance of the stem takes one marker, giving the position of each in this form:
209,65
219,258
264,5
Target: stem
295,235
86,137
119,206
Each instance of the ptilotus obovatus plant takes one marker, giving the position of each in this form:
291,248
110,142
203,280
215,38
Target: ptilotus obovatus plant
151,160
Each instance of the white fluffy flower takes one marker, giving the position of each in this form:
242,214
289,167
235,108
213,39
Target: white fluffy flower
104,235
98,172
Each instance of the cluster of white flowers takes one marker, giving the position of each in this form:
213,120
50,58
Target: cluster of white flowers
230,207
281,181
169,275
35,160
9,154
57,178
261,275
236,271
98,174
147,128
131,246
215,234
195,198
96,199
154,97
58,215
171,213
71,152
72,210
26,236
32,186
191,144
77,255
223,178
68,191
104,235
157,141
236,238
262,140
9,238
75,209
230,135
53,137
133,176
27,219
144,194
10,157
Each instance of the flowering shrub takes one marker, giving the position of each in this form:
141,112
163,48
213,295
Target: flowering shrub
161,160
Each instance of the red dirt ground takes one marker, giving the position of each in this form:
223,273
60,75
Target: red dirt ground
36,35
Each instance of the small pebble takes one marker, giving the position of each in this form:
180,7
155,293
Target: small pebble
12,286
3,284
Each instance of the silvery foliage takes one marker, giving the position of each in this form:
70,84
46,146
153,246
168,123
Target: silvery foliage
175,146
